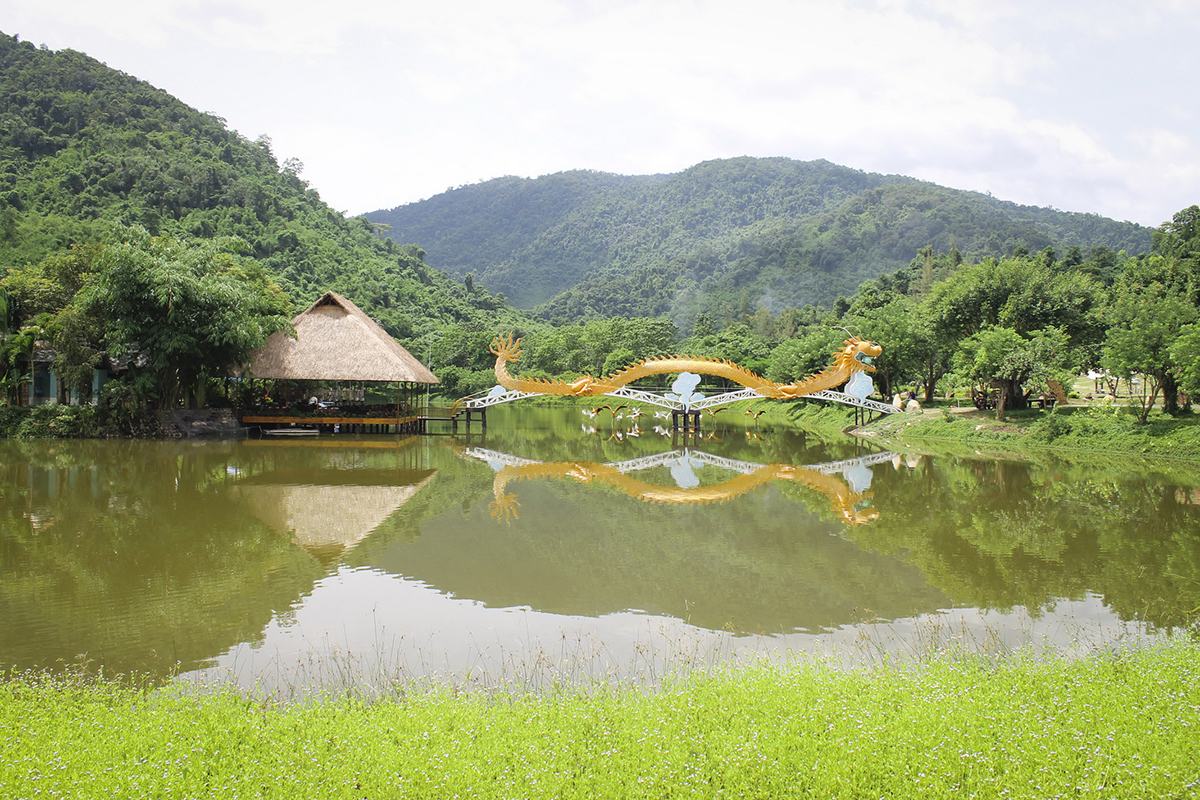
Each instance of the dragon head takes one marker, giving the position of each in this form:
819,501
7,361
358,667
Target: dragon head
858,354
506,347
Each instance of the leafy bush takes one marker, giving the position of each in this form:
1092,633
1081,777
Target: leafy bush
11,418
50,420
1053,425
125,408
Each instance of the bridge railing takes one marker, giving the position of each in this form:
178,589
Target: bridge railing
486,399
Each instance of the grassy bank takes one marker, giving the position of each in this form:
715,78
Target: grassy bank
823,419
1106,726
1099,430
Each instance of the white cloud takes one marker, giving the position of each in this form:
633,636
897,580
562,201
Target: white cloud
389,102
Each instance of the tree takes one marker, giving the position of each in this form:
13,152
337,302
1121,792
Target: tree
1003,358
179,311
1180,238
802,356
737,343
1023,294
1185,353
617,359
912,347
1145,324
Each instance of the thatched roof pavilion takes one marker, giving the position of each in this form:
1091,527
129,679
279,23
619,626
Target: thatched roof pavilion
336,341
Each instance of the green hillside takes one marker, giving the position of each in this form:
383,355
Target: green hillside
87,152
722,237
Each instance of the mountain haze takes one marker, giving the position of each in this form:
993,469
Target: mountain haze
720,237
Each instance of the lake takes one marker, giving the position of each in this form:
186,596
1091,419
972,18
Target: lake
541,552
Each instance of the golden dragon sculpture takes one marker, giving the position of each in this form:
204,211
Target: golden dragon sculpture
855,355
844,500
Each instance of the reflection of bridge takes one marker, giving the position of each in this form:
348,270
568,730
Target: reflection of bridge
669,457
844,483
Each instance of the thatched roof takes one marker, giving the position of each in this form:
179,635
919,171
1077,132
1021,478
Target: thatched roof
336,341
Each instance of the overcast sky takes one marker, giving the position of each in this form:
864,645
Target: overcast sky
1086,107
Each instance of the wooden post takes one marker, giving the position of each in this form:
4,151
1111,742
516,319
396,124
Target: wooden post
696,426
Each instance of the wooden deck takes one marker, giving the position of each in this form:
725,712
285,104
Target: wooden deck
356,444
373,424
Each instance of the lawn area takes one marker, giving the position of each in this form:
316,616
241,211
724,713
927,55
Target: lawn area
1123,725
1075,428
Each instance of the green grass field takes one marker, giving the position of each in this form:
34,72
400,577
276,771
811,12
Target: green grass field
1080,429
1125,725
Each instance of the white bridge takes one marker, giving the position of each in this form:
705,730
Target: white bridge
483,400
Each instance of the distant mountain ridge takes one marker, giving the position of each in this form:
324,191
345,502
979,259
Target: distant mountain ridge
720,237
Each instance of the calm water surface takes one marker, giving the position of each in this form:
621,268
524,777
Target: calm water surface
540,552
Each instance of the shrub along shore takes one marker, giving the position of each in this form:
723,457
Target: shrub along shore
1096,430
1109,725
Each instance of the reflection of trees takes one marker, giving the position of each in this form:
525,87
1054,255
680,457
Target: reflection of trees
141,554
759,563
998,534
128,554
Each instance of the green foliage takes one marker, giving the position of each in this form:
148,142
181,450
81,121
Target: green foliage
722,238
1020,293
803,355
133,227
953,727
915,347
87,151
1002,357
1112,429
1145,326
11,418
998,354
177,310
50,421
181,311
738,343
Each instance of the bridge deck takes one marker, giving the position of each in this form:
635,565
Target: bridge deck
483,401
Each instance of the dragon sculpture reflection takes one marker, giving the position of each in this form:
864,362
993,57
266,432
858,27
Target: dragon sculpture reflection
855,355
846,503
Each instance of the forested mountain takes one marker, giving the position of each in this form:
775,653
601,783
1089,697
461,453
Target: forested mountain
87,153
723,237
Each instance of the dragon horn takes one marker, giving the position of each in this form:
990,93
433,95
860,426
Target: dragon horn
853,339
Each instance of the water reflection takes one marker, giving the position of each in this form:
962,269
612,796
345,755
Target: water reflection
278,561
326,507
848,496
